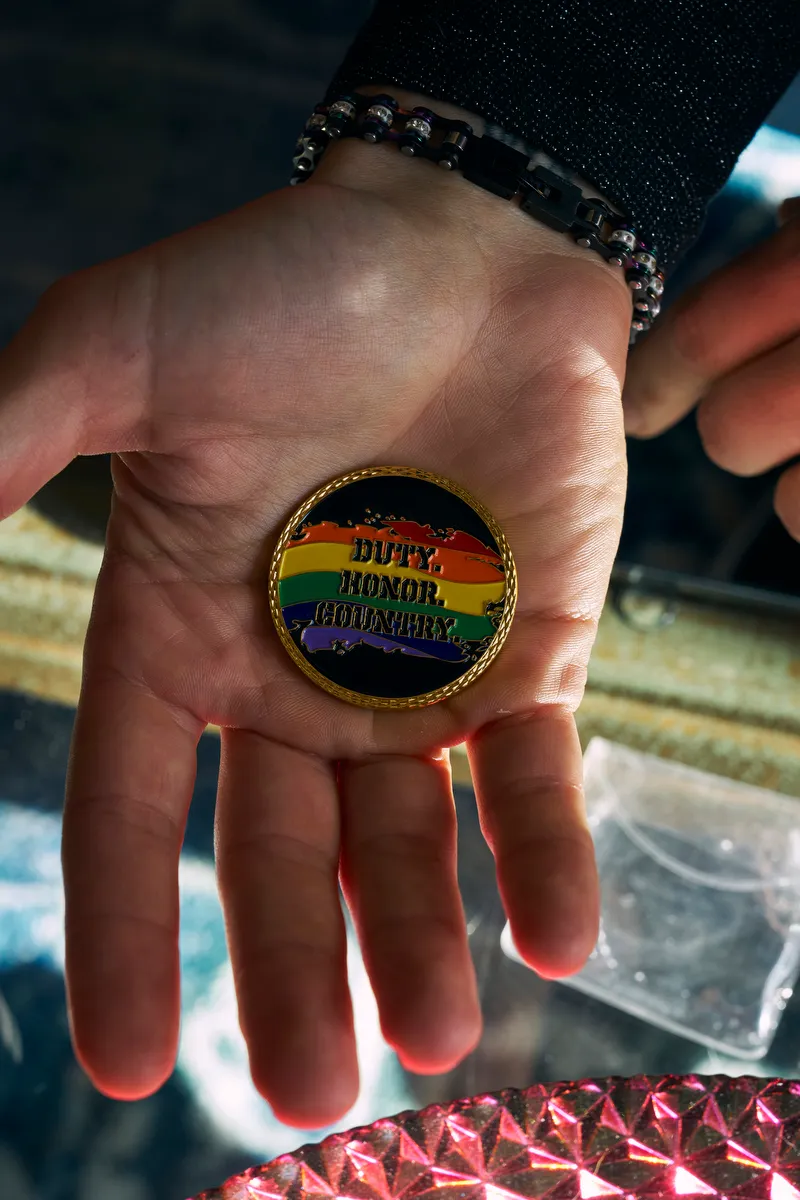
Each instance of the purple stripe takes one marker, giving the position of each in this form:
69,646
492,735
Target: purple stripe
319,637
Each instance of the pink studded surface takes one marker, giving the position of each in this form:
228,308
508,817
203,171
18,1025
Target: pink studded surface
645,1137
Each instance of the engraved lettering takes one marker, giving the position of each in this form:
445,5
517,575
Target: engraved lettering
324,612
382,621
358,615
390,587
414,623
408,591
428,592
350,583
426,553
443,628
343,615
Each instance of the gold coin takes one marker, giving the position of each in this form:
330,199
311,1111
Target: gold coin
392,587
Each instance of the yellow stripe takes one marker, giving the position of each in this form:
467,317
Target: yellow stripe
469,598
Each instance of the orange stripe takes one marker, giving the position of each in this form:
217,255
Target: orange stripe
456,565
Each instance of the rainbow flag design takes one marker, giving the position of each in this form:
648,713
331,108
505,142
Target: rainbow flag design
394,586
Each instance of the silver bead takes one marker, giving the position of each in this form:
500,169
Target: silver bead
445,164
636,285
304,163
342,108
642,306
616,261
418,125
656,286
381,113
584,241
637,325
624,237
655,309
307,150
316,121
647,260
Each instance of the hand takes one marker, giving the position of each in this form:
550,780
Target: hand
732,343
383,312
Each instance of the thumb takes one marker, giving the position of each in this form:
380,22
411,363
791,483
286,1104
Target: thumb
75,379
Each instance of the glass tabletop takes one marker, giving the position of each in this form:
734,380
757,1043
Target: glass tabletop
62,1140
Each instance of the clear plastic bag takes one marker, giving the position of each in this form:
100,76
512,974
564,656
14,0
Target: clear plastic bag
700,925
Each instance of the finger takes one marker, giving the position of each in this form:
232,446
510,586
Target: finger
131,775
399,874
277,856
750,419
740,311
787,501
528,776
789,210
75,380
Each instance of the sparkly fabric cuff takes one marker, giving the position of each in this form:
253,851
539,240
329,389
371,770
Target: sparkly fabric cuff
652,103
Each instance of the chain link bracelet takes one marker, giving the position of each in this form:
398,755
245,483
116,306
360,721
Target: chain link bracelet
498,168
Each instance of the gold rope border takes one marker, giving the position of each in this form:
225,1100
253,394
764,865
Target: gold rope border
392,702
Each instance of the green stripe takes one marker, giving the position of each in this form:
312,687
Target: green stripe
324,585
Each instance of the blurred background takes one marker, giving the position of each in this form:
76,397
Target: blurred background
125,123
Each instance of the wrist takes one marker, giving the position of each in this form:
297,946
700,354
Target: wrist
378,167
435,195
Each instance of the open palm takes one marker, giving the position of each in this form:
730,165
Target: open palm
233,370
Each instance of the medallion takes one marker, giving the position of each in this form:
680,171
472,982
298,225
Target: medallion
392,588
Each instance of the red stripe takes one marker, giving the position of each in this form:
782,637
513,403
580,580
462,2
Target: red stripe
408,531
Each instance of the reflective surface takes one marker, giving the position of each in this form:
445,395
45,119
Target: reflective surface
661,1137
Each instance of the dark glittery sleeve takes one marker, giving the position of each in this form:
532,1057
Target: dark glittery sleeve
652,101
